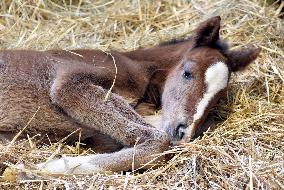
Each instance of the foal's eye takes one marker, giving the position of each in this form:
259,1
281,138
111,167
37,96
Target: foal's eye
187,75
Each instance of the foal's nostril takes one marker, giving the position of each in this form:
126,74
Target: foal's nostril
180,131
180,135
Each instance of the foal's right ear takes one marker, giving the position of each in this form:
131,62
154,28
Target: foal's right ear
240,59
207,33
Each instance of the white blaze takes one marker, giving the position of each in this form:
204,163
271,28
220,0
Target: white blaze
216,79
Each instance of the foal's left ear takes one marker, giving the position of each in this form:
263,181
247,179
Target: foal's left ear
207,33
241,58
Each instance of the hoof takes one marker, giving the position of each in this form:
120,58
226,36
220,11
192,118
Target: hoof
17,174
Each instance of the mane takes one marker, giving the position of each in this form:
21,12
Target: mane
220,45
175,41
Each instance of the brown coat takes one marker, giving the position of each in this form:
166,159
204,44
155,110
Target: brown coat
69,89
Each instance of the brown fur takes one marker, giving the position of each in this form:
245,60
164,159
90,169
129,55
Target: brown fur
70,87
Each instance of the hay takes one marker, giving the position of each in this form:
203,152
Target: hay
245,151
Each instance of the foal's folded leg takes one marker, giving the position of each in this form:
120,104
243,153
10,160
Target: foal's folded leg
84,103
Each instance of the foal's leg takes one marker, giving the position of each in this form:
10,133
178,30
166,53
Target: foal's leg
123,160
84,102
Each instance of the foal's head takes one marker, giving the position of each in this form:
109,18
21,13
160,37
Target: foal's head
199,80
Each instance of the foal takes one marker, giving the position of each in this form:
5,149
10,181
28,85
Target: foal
70,87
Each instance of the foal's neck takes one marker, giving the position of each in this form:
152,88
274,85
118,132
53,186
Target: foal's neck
160,57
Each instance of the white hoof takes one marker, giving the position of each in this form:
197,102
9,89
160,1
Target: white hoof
17,173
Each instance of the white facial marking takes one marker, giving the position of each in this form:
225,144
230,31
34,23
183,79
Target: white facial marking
216,79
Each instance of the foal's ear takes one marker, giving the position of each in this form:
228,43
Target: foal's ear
241,58
207,32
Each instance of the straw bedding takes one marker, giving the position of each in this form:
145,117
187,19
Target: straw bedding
246,148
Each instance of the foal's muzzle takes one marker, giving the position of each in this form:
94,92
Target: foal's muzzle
179,132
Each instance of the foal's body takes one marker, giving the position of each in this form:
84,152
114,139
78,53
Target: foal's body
30,79
52,81
69,89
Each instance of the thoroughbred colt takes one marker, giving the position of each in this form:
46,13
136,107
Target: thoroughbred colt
64,91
